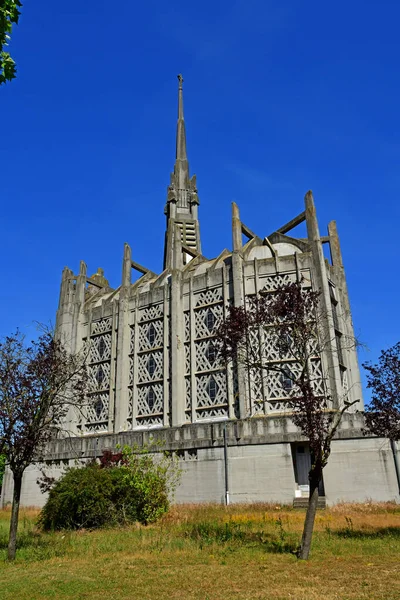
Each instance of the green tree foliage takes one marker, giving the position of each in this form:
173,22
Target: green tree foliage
9,14
135,487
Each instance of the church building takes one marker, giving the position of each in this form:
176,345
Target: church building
155,372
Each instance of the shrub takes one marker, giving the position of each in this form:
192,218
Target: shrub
136,487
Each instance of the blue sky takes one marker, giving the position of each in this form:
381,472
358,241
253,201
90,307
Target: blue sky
279,98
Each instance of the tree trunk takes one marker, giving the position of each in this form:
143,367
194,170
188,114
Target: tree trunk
305,546
12,542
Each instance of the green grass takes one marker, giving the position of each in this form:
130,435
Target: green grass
210,552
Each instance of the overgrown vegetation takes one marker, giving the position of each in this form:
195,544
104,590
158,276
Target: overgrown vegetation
211,551
126,487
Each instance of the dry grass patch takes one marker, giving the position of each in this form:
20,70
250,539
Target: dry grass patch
209,552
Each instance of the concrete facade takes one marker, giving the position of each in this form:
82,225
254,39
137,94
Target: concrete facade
154,369
259,460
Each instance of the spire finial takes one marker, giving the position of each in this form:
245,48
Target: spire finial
180,79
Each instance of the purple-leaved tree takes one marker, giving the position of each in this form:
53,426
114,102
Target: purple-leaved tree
382,416
39,383
292,319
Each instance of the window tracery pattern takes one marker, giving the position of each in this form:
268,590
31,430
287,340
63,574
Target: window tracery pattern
271,387
211,395
150,367
99,372
188,385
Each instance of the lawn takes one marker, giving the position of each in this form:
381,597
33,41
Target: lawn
210,552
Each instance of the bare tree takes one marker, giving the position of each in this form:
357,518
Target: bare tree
290,319
39,382
382,416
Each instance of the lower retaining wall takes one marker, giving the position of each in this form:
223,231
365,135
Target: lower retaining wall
259,458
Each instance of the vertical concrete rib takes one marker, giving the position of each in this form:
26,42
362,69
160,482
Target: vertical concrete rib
326,320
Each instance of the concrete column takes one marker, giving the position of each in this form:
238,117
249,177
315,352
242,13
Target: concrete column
238,300
69,323
229,370
178,335
122,346
327,332
135,378
349,350
193,382
166,358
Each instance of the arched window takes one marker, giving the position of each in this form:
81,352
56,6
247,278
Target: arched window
212,388
151,398
151,365
151,334
101,347
100,377
98,408
287,379
211,353
210,320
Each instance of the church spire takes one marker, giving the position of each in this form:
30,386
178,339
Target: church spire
182,199
180,129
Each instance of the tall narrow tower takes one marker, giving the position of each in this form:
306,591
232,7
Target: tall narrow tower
182,200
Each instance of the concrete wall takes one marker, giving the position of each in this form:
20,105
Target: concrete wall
359,469
30,494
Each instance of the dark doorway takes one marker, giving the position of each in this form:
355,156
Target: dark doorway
302,464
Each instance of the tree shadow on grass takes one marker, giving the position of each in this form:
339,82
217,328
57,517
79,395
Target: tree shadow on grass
365,534
236,536
33,545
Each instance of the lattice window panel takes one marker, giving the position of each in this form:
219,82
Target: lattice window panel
100,348
208,407
201,319
187,359
150,414
97,410
145,343
345,381
274,381
132,341
187,326
99,373
144,362
204,353
151,312
257,391
130,404
235,385
254,346
274,282
317,377
273,347
101,326
131,370
188,398
131,373
209,296
96,382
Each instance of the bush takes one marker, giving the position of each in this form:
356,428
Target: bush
136,487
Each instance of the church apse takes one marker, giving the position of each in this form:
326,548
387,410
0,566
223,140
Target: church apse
153,360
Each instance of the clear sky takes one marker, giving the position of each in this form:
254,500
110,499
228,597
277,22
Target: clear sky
280,97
